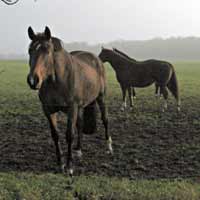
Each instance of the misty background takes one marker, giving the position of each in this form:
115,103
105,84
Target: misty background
143,29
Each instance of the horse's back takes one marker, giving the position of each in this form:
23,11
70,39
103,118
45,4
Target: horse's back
144,73
91,59
155,63
86,56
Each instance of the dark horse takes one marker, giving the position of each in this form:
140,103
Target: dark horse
71,83
142,74
157,93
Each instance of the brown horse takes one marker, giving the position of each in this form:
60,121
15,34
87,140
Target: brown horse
142,74
157,91
71,83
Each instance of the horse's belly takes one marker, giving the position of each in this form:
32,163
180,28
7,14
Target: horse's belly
143,83
90,95
90,87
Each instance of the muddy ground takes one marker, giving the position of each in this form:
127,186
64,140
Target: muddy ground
147,143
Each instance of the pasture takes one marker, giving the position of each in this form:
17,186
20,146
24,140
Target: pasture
156,155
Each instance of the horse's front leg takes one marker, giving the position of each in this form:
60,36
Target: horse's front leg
124,88
71,129
79,130
156,90
54,134
130,97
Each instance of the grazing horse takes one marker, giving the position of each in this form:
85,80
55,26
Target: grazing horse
131,59
71,83
142,74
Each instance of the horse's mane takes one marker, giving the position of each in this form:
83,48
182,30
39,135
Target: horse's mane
123,54
120,55
57,43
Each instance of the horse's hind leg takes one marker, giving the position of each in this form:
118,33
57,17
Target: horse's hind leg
133,93
54,134
123,106
104,117
163,90
158,92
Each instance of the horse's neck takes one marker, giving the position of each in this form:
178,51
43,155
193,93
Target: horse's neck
62,65
117,62
62,60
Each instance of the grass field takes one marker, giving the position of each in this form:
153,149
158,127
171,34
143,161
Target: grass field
156,155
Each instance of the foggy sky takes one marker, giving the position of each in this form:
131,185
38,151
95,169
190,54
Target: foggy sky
97,21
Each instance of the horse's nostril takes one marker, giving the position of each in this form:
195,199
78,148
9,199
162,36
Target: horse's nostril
36,80
32,81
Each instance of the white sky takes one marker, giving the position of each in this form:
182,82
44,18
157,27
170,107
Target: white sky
96,21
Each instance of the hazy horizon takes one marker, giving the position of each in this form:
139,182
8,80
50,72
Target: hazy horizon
97,21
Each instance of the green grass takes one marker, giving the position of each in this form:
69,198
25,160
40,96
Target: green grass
50,186
17,99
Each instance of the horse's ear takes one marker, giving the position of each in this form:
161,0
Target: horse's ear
31,33
47,33
102,48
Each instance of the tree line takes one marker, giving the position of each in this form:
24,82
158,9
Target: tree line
178,48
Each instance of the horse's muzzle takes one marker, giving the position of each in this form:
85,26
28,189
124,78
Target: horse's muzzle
33,82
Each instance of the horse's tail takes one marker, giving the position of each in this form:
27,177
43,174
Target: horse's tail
90,118
174,88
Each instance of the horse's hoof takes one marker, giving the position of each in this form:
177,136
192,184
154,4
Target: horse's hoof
78,153
71,178
109,145
109,152
122,109
163,110
70,172
178,109
131,108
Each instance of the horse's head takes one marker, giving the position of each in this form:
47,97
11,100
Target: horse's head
41,60
105,54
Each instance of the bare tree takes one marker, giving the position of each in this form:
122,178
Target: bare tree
10,2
